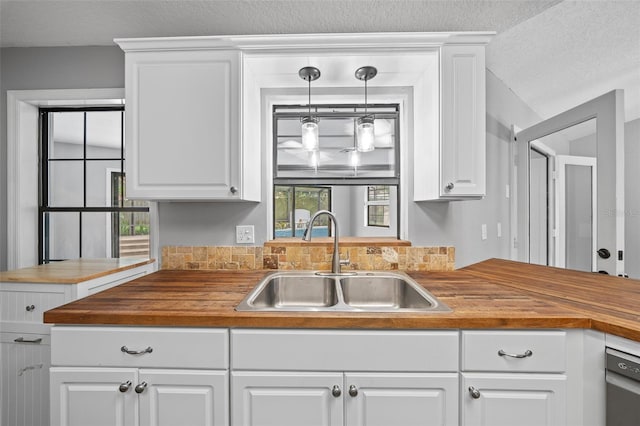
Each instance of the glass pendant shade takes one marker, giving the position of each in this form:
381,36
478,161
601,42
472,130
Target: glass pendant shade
314,159
365,136
310,136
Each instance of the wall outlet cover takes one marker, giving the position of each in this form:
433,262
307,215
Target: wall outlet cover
245,234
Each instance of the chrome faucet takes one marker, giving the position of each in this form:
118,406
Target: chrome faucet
335,260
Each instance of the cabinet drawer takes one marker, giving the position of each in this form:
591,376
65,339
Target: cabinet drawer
514,351
345,350
159,347
25,304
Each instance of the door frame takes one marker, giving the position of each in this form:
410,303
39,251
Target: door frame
608,109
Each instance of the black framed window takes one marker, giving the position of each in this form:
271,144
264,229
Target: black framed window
377,205
337,168
83,209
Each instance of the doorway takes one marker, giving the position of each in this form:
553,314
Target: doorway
574,223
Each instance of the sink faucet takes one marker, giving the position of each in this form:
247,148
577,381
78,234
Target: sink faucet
335,260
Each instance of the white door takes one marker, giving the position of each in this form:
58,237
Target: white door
415,399
513,399
184,397
93,396
606,116
286,399
576,213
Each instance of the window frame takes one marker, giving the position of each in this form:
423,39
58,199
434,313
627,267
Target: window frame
43,182
295,110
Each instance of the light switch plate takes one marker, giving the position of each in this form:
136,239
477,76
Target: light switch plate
484,231
245,234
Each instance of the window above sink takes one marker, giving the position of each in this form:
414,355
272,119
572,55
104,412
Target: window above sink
336,161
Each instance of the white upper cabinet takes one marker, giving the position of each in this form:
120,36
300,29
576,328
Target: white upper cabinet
183,124
451,165
463,105
198,118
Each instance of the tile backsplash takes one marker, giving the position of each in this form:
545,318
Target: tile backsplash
290,257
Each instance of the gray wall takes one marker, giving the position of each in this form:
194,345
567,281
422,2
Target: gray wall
50,68
453,223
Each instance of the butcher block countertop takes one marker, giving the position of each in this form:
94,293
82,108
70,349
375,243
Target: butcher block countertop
72,271
491,294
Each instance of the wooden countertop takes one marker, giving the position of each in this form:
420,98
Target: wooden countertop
72,271
491,294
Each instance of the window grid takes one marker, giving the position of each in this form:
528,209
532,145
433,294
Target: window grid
119,205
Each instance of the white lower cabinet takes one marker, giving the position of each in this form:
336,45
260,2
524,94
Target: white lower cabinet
145,397
139,376
513,399
354,399
25,349
526,378
344,377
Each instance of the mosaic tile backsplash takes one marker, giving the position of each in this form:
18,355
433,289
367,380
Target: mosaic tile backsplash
307,258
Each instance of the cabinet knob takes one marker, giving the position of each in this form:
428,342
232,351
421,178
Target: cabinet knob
353,390
233,189
30,308
475,393
336,392
141,387
449,186
125,386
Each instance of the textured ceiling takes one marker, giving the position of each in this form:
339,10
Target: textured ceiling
553,54
93,22
571,53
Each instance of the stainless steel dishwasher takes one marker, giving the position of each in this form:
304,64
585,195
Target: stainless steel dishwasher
623,388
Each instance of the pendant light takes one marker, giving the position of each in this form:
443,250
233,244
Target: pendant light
365,137
310,136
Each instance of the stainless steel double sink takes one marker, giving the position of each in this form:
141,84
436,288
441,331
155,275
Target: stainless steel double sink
361,292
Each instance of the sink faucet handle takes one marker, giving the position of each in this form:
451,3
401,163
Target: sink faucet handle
346,261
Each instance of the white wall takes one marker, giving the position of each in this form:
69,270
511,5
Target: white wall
50,68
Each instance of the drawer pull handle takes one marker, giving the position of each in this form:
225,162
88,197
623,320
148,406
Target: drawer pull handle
23,340
30,308
526,354
131,352
141,387
475,393
336,392
125,386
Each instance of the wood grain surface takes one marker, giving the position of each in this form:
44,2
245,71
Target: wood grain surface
491,294
72,271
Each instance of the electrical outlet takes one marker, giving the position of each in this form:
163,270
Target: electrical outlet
245,234
484,231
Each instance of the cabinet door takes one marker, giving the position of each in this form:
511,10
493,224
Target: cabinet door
514,399
462,148
182,124
414,399
184,397
92,396
286,399
25,379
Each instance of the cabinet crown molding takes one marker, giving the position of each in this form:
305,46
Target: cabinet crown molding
335,41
